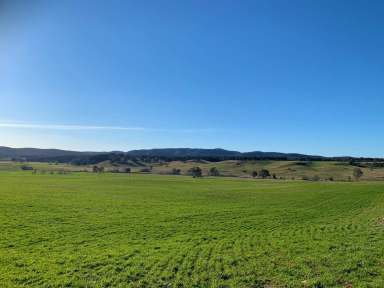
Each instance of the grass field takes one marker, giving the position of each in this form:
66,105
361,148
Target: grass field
340,171
120,230
287,169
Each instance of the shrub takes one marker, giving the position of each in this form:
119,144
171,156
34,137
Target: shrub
95,169
214,172
195,172
357,173
264,173
26,167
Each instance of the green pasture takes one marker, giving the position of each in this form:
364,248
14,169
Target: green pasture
122,230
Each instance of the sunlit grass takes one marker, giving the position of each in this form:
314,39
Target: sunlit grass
120,230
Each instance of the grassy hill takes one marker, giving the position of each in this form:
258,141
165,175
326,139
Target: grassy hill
285,169
161,154
296,170
121,230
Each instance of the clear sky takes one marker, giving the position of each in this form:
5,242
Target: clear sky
289,75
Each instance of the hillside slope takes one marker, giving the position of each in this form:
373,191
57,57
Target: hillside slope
166,154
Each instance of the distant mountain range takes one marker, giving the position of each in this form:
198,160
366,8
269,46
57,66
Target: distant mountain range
212,153
152,155
36,154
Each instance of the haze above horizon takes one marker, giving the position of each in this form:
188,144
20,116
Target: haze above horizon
285,76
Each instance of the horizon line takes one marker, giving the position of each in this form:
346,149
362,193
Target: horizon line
155,148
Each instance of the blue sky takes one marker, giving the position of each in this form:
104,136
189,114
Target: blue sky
291,76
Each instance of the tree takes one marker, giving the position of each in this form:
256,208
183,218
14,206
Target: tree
214,172
97,169
264,173
254,174
26,167
127,170
357,173
175,171
195,172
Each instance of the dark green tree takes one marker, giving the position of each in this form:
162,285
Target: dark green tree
175,171
214,172
264,173
357,173
127,170
196,172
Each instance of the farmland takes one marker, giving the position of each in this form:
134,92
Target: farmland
132,230
288,170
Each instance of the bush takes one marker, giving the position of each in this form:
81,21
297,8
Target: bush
26,168
195,172
96,169
357,173
264,173
214,172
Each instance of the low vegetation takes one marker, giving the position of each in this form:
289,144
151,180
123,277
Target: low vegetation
283,170
145,230
357,173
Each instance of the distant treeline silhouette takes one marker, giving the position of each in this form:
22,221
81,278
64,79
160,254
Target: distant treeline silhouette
135,157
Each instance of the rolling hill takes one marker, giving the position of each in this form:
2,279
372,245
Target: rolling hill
166,154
